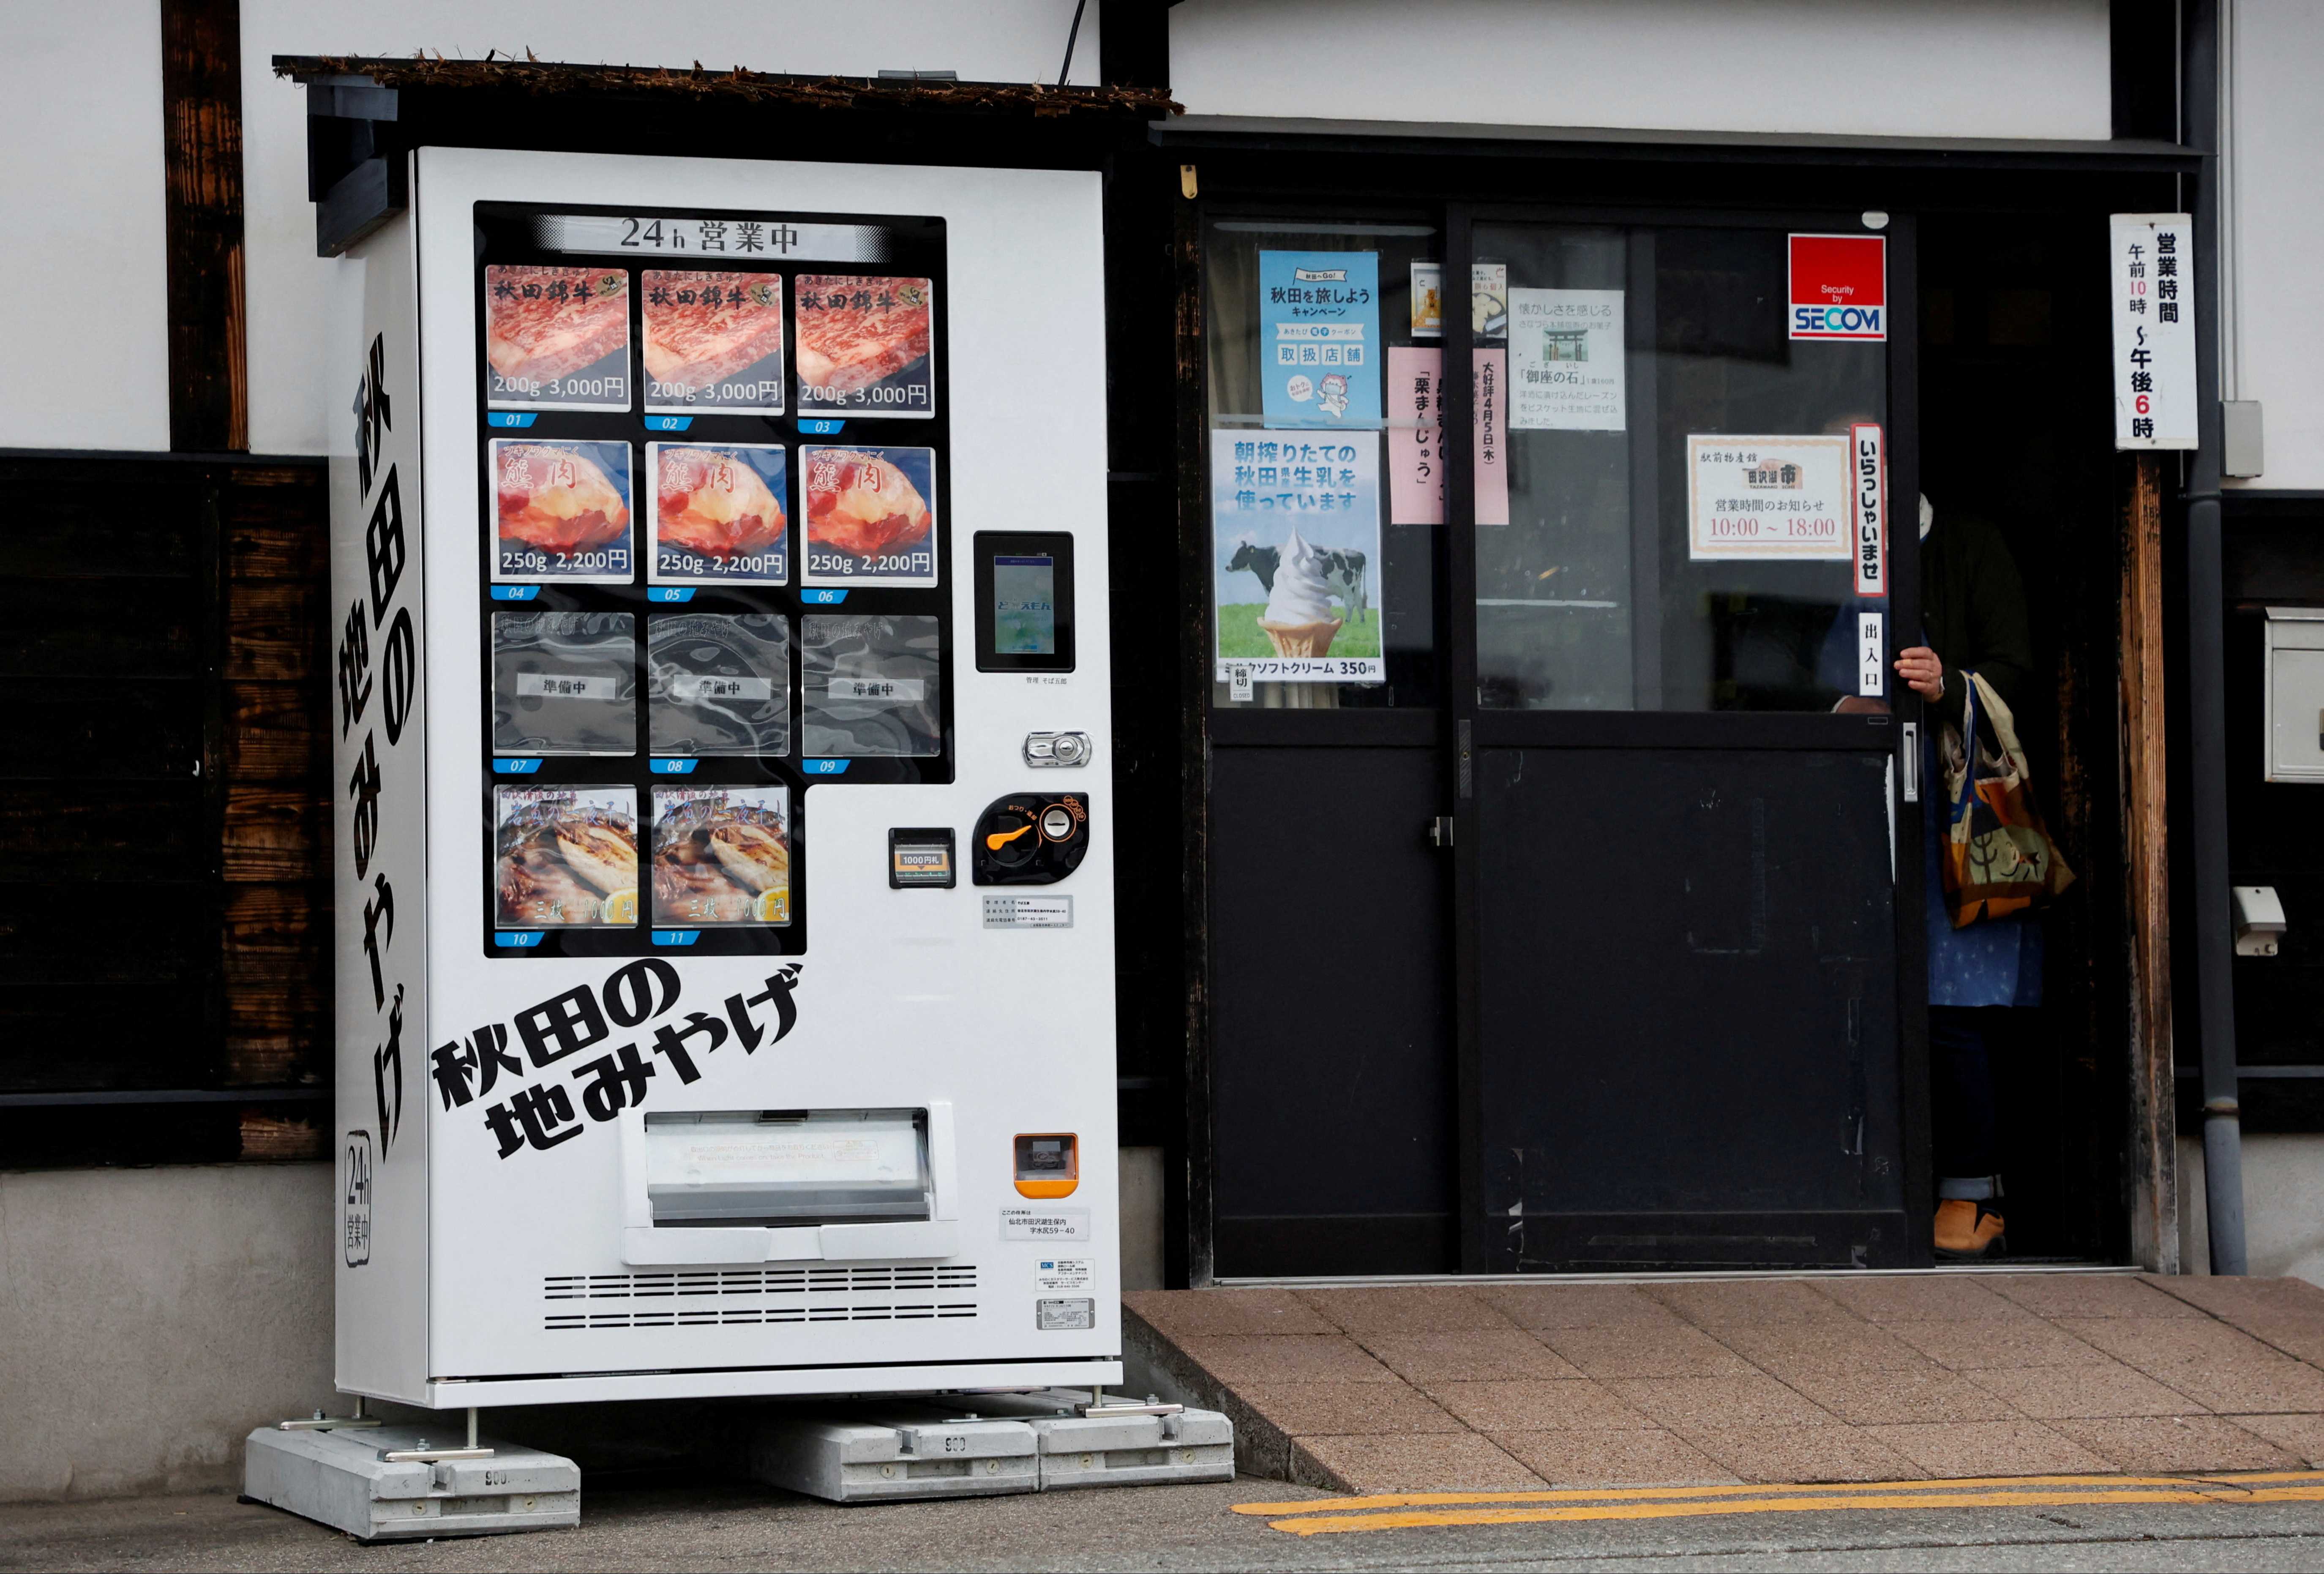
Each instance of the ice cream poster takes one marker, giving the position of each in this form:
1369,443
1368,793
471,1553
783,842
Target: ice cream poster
1296,537
714,341
1319,337
1566,366
871,515
562,511
720,514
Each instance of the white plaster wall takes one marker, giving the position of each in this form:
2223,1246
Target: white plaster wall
2283,1207
1902,67
1142,1178
1002,40
84,359
2275,165
149,1318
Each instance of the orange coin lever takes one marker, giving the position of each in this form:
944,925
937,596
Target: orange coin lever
997,840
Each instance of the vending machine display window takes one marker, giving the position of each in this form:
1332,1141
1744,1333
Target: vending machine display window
565,683
870,686
713,474
719,684
1024,601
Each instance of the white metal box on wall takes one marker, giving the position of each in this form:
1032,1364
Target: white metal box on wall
724,922
2293,657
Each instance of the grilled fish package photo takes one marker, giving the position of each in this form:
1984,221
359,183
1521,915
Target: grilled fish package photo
866,345
718,513
721,855
561,511
557,337
565,856
714,342
871,515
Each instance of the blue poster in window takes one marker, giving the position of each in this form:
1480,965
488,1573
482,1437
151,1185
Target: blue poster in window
1319,337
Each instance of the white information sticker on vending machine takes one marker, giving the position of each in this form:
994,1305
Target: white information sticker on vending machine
707,557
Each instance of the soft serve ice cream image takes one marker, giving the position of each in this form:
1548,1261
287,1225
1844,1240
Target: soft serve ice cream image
1298,620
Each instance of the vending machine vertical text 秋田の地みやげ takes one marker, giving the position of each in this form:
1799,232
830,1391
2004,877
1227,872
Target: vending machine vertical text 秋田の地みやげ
724,932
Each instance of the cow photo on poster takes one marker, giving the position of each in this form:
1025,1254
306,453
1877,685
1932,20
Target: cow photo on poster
1296,537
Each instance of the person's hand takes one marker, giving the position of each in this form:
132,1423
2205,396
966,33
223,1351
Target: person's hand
1861,704
1922,671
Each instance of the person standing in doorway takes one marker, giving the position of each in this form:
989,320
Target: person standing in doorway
1973,619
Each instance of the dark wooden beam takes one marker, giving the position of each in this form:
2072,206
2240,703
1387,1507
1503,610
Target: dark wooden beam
1134,44
201,132
2151,1167
2146,69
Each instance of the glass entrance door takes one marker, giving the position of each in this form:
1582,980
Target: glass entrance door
1688,886
1562,894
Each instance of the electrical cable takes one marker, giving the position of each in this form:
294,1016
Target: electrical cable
1072,33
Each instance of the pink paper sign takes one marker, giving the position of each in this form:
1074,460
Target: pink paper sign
1415,445
1415,436
1492,437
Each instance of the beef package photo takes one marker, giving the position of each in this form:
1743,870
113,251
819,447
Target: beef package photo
718,513
557,336
866,345
871,515
565,856
714,342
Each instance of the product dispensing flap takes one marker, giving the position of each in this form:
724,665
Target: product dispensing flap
788,1168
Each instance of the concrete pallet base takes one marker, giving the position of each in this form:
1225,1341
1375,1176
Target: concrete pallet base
341,1479
982,1446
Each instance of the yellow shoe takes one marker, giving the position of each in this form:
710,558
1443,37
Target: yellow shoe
1967,1231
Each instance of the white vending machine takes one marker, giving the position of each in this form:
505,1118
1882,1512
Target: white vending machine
725,913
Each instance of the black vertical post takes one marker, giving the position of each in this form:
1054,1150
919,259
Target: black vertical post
1904,527
2206,703
1456,400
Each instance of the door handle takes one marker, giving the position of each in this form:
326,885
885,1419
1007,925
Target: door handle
1440,832
1911,739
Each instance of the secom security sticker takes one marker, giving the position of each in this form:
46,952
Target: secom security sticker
1063,1273
1044,1224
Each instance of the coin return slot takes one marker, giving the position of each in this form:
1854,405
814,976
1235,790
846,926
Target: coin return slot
1048,1164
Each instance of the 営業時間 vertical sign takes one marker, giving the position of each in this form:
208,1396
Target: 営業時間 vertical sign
2153,287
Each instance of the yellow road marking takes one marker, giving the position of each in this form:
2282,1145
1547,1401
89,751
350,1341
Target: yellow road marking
1323,1516
1599,1494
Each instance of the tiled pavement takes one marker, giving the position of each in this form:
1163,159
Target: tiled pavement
1512,1387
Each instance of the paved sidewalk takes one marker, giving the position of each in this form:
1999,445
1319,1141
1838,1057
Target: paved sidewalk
1874,1379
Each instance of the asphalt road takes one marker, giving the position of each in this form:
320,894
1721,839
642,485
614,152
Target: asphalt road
1166,1528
